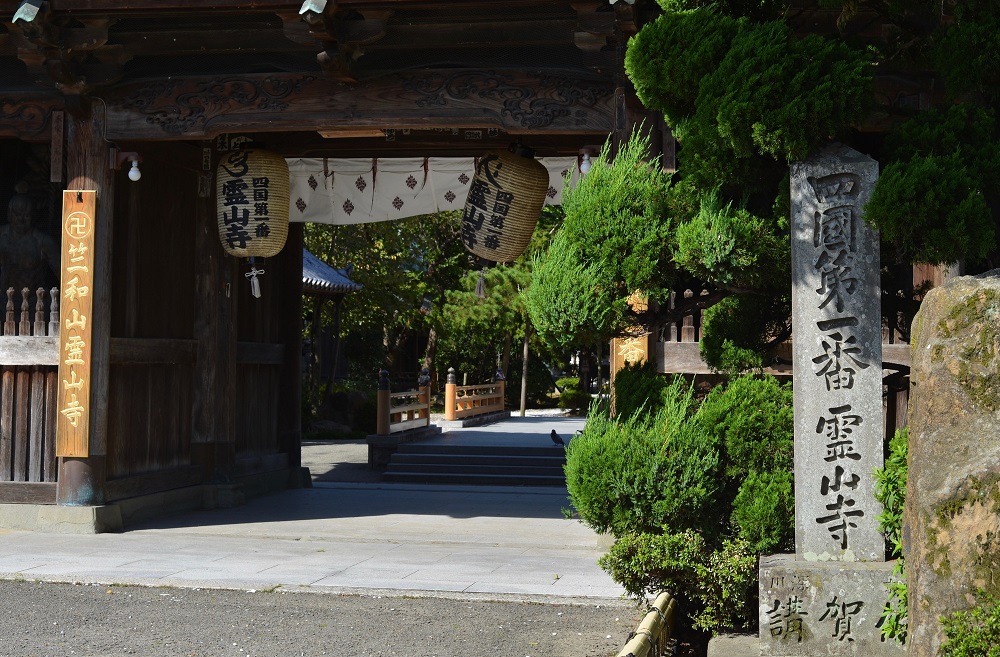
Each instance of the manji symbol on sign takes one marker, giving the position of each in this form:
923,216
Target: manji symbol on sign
76,283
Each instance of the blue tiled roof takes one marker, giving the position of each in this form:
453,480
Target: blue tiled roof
320,278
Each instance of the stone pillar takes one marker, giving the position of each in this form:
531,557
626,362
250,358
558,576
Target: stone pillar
826,600
837,356
951,520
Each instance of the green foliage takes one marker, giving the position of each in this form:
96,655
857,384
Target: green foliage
692,493
890,490
575,400
932,210
967,52
763,499
616,221
752,419
566,301
699,39
720,585
540,385
737,332
931,203
782,96
973,633
638,388
568,383
646,473
730,248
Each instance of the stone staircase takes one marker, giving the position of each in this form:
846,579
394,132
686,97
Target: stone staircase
493,465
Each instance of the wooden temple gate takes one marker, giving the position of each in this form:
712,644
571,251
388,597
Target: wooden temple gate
193,382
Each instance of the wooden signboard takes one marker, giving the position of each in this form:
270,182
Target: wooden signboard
76,284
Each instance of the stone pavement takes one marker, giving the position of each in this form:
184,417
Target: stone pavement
349,535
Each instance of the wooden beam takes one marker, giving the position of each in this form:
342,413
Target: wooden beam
28,115
516,101
27,493
146,6
17,350
149,350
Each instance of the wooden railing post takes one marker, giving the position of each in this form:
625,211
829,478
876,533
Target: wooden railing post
424,393
450,395
384,404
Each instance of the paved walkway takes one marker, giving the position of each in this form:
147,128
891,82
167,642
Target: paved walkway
344,535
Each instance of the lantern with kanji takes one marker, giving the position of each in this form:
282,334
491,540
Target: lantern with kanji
504,203
252,206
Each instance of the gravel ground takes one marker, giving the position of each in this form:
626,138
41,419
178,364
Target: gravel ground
55,620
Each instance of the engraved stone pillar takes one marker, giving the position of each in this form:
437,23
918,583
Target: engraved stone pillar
837,356
827,599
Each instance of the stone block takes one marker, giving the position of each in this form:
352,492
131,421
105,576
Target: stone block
951,521
826,609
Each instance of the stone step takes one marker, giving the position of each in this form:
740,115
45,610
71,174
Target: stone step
471,468
496,465
496,450
498,460
474,479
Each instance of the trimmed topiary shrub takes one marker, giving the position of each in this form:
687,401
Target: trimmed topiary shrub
693,494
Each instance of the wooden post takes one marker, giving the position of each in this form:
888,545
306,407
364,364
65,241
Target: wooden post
81,478
384,404
450,395
213,437
290,400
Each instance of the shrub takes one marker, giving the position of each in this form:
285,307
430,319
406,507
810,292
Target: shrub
973,633
638,387
890,490
646,473
717,588
692,494
575,400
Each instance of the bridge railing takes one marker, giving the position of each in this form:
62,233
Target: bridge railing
462,402
652,638
401,411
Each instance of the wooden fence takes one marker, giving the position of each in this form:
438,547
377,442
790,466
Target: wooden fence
29,355
469,401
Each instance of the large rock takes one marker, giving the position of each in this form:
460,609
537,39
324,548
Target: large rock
951,531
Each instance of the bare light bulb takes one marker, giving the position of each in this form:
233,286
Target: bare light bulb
585,164
134,174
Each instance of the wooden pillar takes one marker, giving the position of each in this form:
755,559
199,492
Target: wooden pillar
290,323
81,479
213,440
450,395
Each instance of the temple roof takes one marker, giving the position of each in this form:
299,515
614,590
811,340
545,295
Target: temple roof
320,278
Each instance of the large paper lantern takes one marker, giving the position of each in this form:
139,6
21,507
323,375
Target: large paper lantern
504,203
252,206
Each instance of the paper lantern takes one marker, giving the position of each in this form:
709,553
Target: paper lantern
504,203
252,206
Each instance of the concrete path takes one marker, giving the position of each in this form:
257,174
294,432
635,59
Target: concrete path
348,536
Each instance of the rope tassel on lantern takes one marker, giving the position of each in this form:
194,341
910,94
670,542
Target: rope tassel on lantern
252,207
481,284
253,274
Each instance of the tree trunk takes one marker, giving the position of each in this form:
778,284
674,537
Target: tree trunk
600,373
429,354
524,367
505,356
